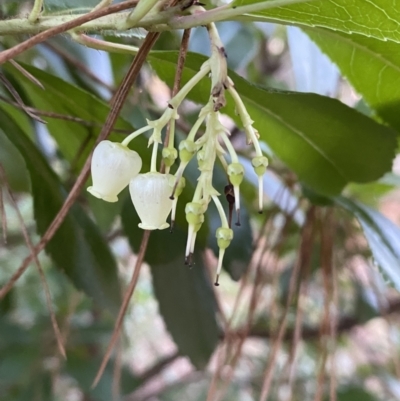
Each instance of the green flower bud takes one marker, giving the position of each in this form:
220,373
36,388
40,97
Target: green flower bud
169,156
194,213
236,173
224,237
260,164
187,149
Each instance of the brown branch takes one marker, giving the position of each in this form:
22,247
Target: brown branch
41,37
29,244
119,99
158,367
124,306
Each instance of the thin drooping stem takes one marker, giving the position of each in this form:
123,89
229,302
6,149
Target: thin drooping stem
117,104
124,306
303,259
57,332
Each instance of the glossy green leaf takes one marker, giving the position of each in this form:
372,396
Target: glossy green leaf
187,304
382,235
376,18
77,247
371,65
318,137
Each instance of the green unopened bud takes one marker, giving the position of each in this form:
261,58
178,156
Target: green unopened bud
260,164
169,156
194,213
236,173
187,149
224,237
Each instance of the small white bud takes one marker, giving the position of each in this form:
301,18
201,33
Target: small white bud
150,195
113,166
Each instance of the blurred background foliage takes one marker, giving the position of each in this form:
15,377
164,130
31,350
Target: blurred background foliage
308,304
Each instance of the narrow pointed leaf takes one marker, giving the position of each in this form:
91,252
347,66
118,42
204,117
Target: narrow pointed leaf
77,247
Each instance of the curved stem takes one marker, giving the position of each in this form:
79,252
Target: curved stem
218,204
135,134
153,168
229,146
36,11
245,117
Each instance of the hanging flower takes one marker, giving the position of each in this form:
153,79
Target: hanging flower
150,195
113,166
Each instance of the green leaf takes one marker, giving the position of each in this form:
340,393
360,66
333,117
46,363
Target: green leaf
317,137
77,247
14,165
82,366
372,66
187,304
382,235
353,393
74,138
374,18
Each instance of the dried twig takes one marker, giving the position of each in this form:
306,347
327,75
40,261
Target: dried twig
26,74
124,306
303,260
29,244
18,98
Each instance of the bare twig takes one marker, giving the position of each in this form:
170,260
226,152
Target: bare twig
118,101
29,244
3,216
26,74
18,99
124,306
41,37
303,260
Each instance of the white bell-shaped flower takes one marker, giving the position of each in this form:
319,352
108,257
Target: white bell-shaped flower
150,195
113,166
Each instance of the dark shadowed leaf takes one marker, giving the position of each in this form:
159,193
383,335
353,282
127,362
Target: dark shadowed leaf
77,248
75,139
187,305
382,235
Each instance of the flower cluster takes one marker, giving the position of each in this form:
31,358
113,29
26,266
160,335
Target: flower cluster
154,194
